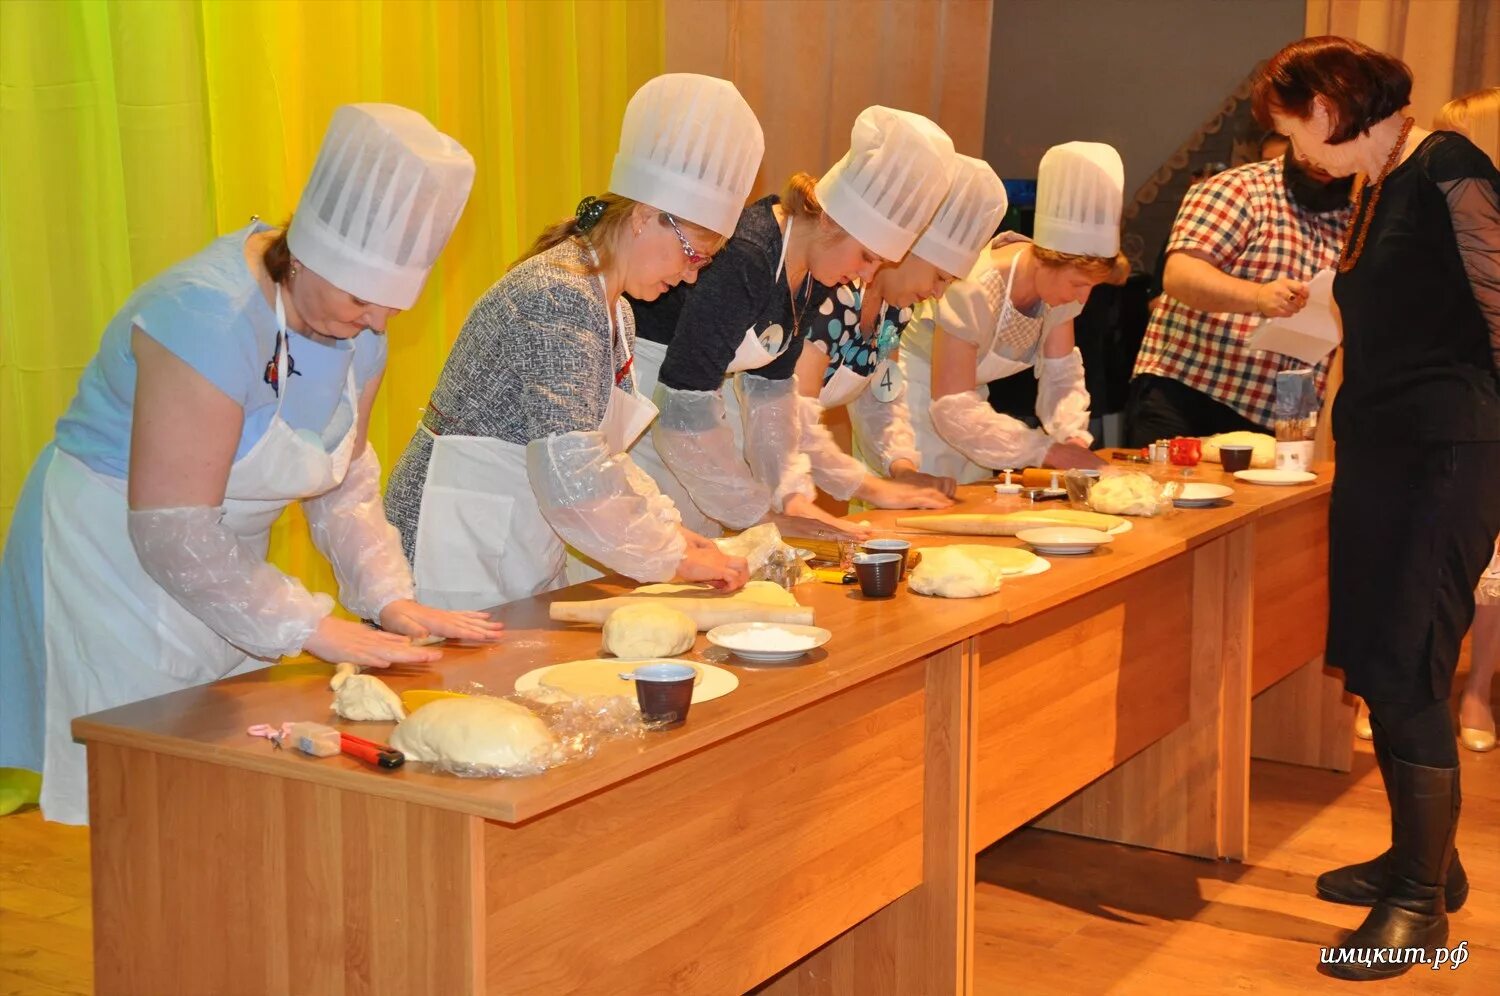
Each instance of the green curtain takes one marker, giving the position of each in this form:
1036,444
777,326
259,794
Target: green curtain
134,132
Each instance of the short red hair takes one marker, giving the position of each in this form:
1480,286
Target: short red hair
1361,85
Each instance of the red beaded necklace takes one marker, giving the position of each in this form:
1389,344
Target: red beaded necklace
1359,224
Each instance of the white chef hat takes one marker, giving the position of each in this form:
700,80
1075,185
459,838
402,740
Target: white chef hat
1079,190
689,146
384,195
966,220
886,188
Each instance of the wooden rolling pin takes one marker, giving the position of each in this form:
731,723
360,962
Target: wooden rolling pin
705,612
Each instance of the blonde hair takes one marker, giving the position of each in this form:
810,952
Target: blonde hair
800,197
1106,269
1476,115
604,236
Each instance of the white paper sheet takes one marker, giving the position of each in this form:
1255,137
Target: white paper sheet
1311,333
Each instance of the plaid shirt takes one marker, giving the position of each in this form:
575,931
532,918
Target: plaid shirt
1244,220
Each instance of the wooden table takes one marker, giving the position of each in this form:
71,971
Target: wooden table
812,832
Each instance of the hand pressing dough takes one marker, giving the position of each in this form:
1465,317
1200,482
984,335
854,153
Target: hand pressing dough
586,679
1262,454
651,630
476,730
1010,523
363,697
950,572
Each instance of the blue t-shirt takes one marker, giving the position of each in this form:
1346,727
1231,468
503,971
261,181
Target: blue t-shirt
209,312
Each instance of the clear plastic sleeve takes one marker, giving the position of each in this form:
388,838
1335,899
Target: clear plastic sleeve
884,429
604,506
985,436
349,527
774,437
214,574
694,440
833,470
1062,401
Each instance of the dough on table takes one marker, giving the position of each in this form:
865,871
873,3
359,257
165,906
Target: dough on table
651,630
951,572
364,697
476,730
1262,454
763,592
590,678
1006,559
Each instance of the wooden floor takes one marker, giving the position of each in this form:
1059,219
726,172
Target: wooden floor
1055,914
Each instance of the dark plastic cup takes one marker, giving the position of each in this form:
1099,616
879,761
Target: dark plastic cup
891,546
878,573
664,692
1233,458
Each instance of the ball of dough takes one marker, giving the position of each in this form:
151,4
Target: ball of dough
950,573
648,631
475,730
365,698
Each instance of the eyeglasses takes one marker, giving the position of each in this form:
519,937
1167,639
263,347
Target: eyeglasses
696,260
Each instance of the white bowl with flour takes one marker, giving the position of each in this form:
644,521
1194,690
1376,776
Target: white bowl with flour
768,643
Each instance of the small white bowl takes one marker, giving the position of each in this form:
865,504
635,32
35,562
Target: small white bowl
1064,541
725,636
1275,478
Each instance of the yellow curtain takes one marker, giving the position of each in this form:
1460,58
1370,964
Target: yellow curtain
134,132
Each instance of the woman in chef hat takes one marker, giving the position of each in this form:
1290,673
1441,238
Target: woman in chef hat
522,449
748,313
855,358
236,382
1014,311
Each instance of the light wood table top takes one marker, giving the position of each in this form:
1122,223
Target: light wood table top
871,637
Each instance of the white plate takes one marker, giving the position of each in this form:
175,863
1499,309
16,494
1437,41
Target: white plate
716,682
1280,478
1038,566
723,636
1201,495
1064,541
1123,527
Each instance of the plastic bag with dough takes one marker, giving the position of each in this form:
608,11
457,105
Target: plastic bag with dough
590,678
952,573
755,544
364,697
475,730
762,592
650,630
1263,452
1128,494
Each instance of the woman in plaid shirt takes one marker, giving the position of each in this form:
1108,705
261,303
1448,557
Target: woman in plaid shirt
1242,249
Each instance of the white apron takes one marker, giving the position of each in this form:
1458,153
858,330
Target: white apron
1014,347
112,635
481,537
754,352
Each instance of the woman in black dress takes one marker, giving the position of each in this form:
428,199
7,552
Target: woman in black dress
1417,423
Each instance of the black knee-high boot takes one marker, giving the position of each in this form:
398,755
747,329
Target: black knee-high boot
1364,883
1413,912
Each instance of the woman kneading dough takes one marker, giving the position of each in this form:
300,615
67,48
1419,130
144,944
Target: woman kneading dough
236,382
747,316
1014,311
855,354
523,445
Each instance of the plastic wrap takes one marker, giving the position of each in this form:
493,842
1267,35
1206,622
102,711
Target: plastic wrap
985,436
833,470
768,556
604,506
1062,401
214,574
774,437
1132,494
694,440
349,527
884,430
575,729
